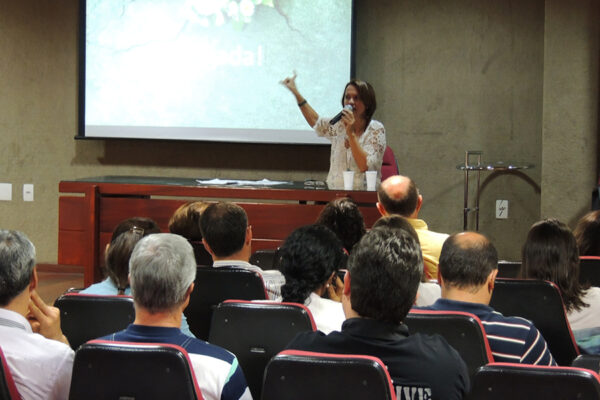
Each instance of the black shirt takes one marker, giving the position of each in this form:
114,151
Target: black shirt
421,366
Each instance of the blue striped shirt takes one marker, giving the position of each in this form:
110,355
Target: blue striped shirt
512,339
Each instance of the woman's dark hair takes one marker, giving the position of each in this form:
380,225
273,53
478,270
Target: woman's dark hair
587,234
125,237
366,93
344,218
308,258
550,253
185,221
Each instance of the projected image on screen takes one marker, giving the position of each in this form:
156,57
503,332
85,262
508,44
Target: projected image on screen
210,69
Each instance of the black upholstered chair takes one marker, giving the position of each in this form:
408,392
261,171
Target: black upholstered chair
587,361
8,389
214,285
541,303
462,330
85,317
257,331
301,375
120,370
265,259
501,381
508,269
589,270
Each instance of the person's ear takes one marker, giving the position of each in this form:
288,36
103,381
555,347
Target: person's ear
419,203
33,282
249,234
188,293
491,280
381,209
347,284
208,249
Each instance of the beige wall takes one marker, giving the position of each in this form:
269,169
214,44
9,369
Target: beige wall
451,75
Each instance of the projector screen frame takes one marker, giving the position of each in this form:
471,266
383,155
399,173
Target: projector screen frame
81,105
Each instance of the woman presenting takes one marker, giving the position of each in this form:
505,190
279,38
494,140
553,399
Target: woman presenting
357,141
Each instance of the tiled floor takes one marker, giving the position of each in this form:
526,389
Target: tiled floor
53,284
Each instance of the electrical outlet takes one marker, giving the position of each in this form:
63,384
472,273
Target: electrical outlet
28,192
501,209
6,191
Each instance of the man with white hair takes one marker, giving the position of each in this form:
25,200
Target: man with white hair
162,269
38,355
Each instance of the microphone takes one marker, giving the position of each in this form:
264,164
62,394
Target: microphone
336,119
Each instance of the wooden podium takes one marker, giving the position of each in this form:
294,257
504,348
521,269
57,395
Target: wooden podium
90,208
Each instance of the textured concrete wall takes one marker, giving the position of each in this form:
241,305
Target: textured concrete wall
450,75
570,116
457,75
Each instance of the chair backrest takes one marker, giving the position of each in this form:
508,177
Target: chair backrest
518,381
202,256
265,259
256,331
508,269
214,285
462,330
85,317
389,166
301,375
8,389
589,270
587,361
541,303
120,370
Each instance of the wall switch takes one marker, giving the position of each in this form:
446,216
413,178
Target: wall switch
6,191
501,209
28,192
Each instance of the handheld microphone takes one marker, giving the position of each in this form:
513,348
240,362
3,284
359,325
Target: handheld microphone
338,117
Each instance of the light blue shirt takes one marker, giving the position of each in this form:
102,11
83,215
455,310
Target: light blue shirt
108,288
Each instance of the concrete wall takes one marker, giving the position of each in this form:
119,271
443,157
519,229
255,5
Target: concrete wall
450,75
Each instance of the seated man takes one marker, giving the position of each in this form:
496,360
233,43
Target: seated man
228,238
384,271
399,195
468,268
37,352
162,273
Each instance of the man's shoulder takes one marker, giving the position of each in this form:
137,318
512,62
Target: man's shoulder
200,347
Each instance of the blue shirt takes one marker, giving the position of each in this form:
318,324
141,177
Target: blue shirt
512,339
217,371
108,288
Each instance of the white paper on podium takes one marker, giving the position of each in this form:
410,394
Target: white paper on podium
262,182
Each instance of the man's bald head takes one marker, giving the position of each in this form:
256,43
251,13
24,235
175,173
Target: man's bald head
399,195
466,260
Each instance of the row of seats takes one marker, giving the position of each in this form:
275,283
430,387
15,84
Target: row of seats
589,270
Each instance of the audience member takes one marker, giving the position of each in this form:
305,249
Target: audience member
185,222
310,259
117,255
37,352
344,218
468,268
550,253
587,234
429,290
384,271
399,195
162,273
228,238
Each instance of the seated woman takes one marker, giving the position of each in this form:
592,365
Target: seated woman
429,290
310,259
185,222
118,251
587,234
344,218
550,253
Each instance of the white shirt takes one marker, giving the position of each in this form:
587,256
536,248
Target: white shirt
41,367
273,279
428,293
587,317
372,141
328,314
